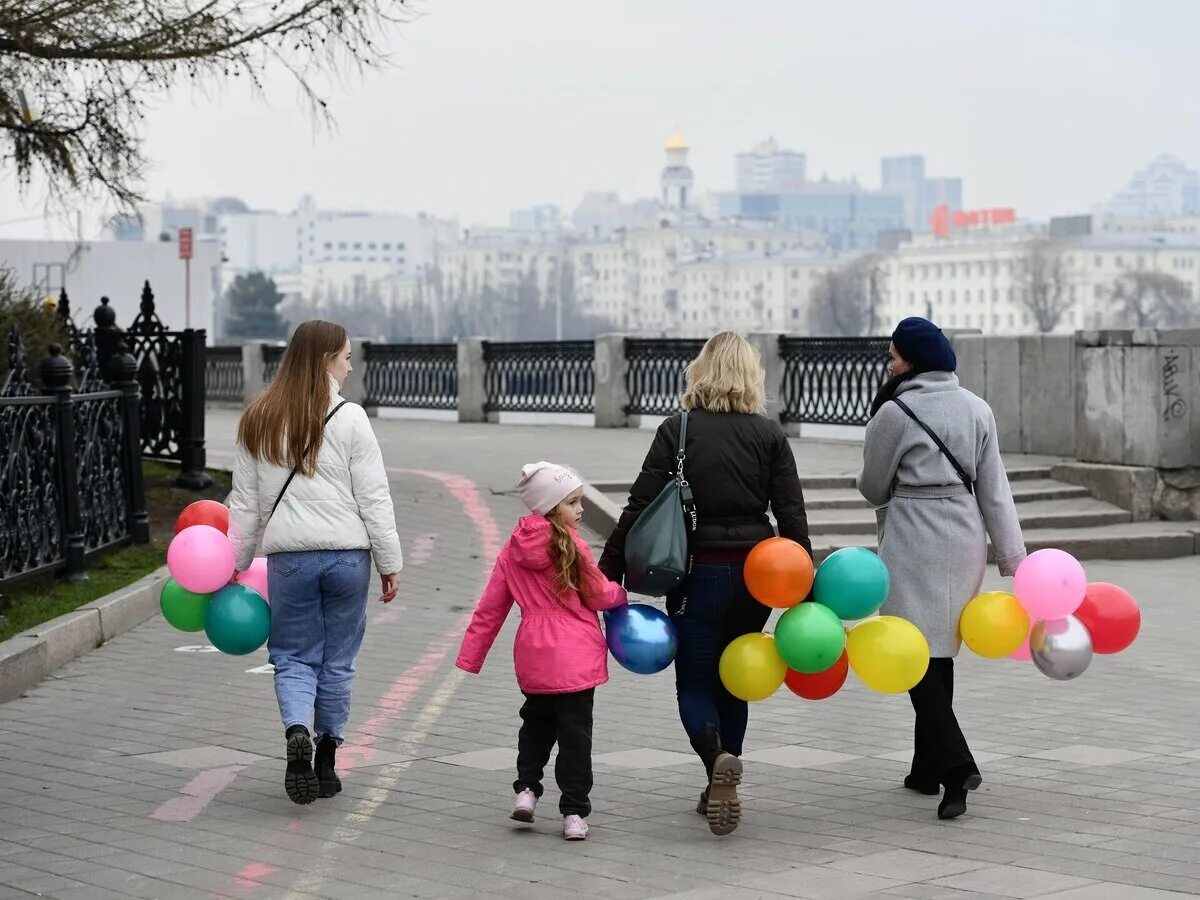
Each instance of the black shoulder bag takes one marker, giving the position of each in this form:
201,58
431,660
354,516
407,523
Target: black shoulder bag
292,474
656,550
962,473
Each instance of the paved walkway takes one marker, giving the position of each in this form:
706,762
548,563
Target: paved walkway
150,768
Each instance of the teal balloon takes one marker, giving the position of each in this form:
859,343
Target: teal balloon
181,608
810,637
238,620
853,582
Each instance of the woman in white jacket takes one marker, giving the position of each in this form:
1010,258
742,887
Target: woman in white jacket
309,479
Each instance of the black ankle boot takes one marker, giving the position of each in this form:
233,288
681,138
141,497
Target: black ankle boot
330,784
927,786
299,779
722,806
958,781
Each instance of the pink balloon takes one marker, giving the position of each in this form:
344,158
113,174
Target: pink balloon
201,559
1050,584
255,577
1022,653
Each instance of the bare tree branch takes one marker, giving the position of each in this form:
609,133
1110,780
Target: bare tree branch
1144,299
1044,281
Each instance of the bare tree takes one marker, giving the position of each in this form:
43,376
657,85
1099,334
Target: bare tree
1044,282
1144,299
846,301
76,75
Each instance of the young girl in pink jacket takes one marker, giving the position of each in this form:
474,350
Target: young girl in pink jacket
559,653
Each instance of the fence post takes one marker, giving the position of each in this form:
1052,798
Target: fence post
57,371
767,345
253,361
612,393
108,335
122,372
191,438
472,381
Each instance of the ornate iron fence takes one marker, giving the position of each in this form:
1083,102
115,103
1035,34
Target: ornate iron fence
416,376
654,377
170,372
540,376
272,357
831,381
224,377
70,463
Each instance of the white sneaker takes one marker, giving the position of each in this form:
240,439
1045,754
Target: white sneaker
525,805
574,828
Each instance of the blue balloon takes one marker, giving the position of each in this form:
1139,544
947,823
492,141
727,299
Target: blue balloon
237,620
640,637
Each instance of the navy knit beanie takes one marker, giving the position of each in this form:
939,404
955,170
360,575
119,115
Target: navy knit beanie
923,345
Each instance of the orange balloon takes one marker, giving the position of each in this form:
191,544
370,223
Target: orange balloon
779,573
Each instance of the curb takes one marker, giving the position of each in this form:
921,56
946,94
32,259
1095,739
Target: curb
600,514
27,658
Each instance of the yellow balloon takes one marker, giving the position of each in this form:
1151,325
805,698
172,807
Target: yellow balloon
751,668
888,654
994,624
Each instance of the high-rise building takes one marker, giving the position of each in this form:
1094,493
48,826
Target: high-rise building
768,170
904,176
1165,189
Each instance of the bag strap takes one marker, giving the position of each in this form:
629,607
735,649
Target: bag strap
686,497
292,474
962,473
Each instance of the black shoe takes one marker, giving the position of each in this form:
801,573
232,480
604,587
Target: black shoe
927,786
324,764
702,806
958,781
300,781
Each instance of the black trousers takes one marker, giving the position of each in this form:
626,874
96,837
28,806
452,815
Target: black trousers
567,719
939,745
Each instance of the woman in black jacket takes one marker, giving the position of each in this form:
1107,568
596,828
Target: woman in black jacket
738,463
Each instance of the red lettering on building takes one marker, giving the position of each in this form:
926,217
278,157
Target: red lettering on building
941,222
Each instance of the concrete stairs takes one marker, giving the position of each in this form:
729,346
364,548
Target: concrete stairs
1052,513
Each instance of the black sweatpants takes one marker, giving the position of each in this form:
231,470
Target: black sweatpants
567,719
939,742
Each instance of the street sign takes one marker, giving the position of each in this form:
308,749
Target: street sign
185,243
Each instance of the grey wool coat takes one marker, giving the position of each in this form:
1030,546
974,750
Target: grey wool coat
933,532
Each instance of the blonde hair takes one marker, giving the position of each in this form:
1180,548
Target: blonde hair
285,423
571,572
727,376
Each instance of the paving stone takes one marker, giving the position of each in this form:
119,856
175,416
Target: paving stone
1011,881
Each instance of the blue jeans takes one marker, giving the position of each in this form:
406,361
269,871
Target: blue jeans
712,608
318,619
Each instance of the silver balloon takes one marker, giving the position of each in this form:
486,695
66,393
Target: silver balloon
1061,649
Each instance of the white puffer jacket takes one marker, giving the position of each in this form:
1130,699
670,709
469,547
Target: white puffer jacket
346,505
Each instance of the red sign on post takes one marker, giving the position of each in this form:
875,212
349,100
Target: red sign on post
185,243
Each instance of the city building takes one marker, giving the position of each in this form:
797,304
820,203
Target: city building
1165,189
543,217
766,169
981,278
905,177
848,215
677,179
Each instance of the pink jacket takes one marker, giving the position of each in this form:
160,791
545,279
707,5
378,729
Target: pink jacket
559,646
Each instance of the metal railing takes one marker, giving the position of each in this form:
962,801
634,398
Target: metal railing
272,357
414,376
540,376
654,377
831,381
224,377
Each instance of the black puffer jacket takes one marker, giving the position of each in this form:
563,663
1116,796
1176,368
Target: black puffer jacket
737,464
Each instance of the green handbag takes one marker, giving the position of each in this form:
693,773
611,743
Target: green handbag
656,549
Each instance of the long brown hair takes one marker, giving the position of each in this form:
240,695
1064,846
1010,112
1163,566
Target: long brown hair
285,423
571,570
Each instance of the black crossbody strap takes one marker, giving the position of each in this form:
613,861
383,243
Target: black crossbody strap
962,473
685,489
292,474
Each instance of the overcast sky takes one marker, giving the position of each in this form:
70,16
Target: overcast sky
1045,105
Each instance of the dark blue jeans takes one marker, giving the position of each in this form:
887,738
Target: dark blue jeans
712,609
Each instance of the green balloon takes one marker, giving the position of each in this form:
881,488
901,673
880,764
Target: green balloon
181,607
810,637
853,582
238,620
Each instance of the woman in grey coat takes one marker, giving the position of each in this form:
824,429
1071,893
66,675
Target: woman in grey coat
935,515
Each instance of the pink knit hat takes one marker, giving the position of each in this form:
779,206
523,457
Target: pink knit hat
543,486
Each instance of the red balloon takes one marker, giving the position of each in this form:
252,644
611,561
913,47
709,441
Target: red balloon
204,512
1110,615
822,684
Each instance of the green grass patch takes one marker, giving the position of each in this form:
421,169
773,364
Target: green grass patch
37,600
